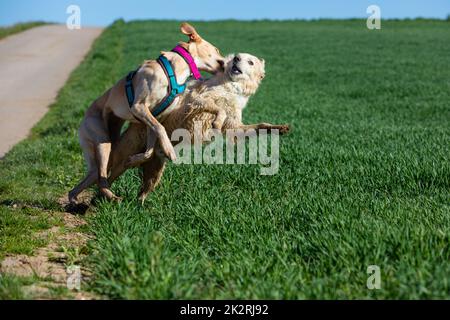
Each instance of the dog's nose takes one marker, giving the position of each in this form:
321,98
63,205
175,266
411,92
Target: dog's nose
221,63
236,59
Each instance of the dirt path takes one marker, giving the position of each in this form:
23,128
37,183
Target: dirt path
34,65
49,265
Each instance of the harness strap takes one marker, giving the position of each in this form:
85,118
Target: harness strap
129,87
174,88
189,60
173,91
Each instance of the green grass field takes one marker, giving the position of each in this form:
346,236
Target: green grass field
364,174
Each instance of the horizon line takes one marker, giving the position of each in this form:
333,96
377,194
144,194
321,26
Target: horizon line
239,20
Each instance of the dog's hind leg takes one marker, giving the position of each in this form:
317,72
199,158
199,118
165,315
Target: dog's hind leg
88,181
153,170
91,177
131,142
114,127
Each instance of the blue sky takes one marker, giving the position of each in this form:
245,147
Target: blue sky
103,12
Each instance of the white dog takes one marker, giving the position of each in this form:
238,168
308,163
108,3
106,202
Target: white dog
217,102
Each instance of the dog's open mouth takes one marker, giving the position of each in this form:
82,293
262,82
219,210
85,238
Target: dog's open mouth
235,69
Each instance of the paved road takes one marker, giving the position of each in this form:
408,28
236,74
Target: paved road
34,65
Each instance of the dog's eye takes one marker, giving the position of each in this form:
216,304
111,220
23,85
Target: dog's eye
250,62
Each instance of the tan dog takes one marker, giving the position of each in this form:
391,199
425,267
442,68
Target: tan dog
101,125
217,102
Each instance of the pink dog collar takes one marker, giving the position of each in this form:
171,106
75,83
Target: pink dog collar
189,60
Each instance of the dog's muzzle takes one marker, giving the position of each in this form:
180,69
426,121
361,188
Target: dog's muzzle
235,69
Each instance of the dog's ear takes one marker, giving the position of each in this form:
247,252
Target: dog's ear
190,31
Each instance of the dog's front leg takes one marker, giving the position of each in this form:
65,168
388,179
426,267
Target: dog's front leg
282,128
141,111
220,114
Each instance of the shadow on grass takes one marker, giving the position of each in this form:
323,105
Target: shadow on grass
76,208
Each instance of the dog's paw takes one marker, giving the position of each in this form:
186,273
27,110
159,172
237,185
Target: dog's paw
116,199
283,129
217,125
141,198
108,194
72,199
169,152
